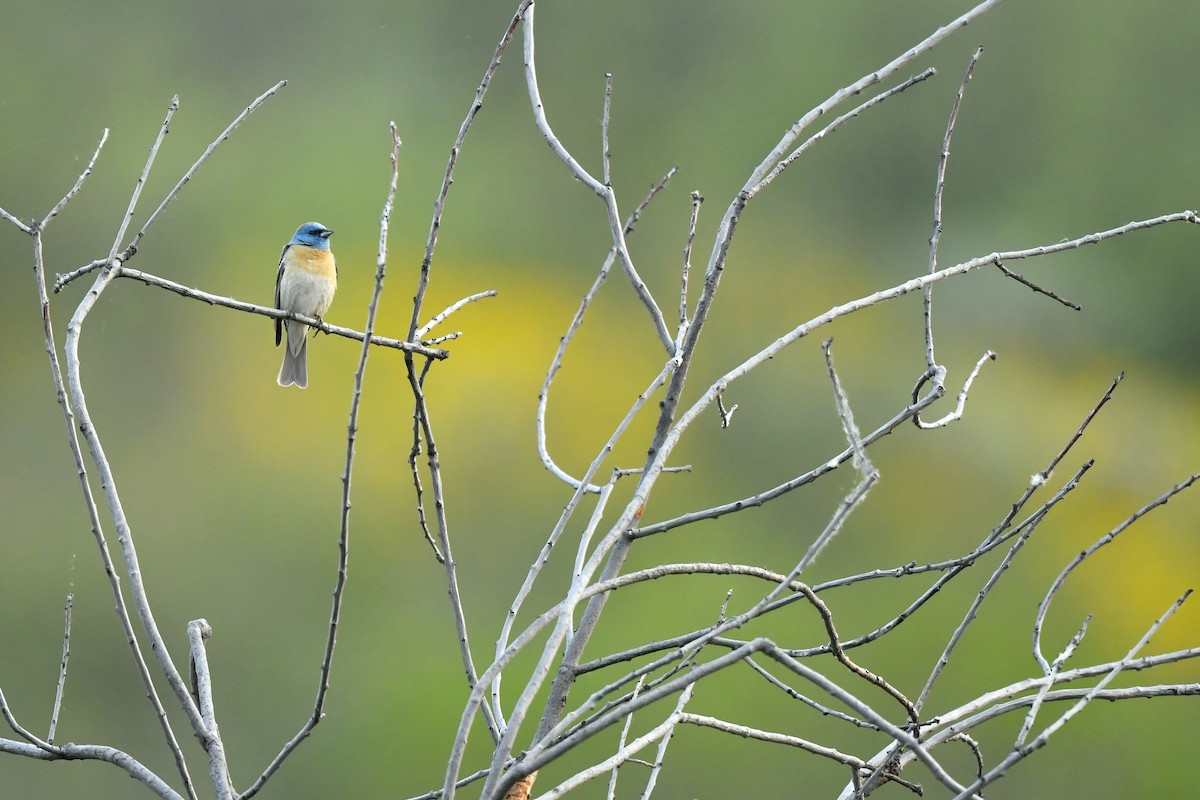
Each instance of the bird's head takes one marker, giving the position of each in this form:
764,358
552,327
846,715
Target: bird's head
313,234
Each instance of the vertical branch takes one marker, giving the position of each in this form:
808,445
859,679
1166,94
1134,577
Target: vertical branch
574,647
422,425
443,535
62,670
418,488
624,737
187,176
339,586
939,188
1044,606
201,679
567,338
543,557
141,601
66,402
870,475
697,199
601,189
439,205
141,184
61,204
605,150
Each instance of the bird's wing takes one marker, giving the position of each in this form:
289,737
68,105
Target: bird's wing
279,280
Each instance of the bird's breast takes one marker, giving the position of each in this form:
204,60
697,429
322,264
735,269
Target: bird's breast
310,259
308,282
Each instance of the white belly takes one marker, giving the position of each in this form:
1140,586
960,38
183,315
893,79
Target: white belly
304,292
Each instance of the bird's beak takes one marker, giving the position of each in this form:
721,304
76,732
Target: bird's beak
325,234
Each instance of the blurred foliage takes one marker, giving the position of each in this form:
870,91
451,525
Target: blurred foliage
1080,117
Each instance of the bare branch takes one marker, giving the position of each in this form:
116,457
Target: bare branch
1020,752
225,134
773,737
62,669
141,602
1044,606
616,769
956,414
438,319
697,200
275,313
568,337
439,205
21,226
74,190
835,124
1036,288
602,189
939,188
141,182
201,680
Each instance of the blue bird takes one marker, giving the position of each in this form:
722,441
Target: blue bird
305,285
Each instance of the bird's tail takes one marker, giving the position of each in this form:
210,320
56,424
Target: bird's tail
295,356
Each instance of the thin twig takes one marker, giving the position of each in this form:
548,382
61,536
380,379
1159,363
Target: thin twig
74,190
438,319
621,742
955,414
869,475
423,427
87,426
601,188
439,205
275,313
567,338
1020,752
697,199
1035,287
225,134
414,453
1039,700
939,189
757,734
36,748
62,669
606,115
725,414
1044,606
972,612
141,183
835,124
761,498
1039,479
425,423
344,510
61,280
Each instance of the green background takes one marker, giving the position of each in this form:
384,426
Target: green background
1081,116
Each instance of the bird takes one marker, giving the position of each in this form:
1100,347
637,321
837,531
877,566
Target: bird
305,285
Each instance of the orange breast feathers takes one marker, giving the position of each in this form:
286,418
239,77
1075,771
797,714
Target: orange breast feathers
312,260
